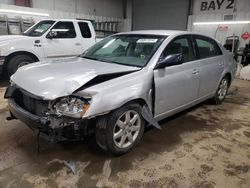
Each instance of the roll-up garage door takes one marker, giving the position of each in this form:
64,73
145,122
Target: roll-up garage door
160,14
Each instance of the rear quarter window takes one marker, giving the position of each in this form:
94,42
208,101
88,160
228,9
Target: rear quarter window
207,47
85,30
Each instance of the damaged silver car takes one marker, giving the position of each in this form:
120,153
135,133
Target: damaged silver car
119,86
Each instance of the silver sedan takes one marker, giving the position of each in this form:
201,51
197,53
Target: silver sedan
120,85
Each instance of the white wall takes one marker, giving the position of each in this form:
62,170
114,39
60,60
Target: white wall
107,8
241,10
101,10
124,24
238,6
7,2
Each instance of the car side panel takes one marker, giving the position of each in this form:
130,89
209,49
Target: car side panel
211,70
176,86
183,107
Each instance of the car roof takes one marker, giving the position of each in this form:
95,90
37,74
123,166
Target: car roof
158,32
165,33
72,20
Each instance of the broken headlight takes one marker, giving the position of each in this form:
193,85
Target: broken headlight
71,106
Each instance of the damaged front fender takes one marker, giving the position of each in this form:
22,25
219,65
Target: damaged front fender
148,116
114,93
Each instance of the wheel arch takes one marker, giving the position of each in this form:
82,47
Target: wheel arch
139,101
229,77
13,54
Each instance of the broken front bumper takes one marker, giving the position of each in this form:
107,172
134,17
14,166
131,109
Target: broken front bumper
33,121
72,132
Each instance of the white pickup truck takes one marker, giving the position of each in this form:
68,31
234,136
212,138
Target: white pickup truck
45,40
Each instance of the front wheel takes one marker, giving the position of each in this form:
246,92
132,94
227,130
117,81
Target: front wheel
121,130
17,62
222,90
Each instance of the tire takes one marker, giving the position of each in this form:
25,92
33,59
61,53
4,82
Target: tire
120,137
222,90
17,61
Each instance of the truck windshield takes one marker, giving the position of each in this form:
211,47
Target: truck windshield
39,29
131,49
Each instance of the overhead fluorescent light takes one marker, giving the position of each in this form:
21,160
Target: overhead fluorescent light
24,12
221,23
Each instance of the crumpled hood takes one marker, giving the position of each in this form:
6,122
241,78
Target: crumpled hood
53,79
7,38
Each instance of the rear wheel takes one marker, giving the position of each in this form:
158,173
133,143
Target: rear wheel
17,62
221,91
121,130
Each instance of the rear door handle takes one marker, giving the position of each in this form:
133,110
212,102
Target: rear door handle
221,64
77,44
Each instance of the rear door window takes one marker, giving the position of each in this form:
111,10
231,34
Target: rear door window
85,30
207,47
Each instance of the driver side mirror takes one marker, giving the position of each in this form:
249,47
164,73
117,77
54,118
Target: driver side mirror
170,60
52,34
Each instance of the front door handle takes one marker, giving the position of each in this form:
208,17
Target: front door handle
196,71
77,44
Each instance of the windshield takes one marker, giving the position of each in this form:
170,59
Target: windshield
39,29
132,50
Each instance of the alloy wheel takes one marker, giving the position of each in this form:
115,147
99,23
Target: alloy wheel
127,129
222,92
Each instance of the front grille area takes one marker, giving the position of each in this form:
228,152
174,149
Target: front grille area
31,104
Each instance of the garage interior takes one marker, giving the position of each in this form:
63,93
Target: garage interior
206,146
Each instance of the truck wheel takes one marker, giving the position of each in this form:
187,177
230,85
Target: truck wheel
121,130
221,91
16,62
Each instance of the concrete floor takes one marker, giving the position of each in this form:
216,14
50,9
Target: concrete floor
207,146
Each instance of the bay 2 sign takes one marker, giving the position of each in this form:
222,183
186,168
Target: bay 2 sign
217,5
